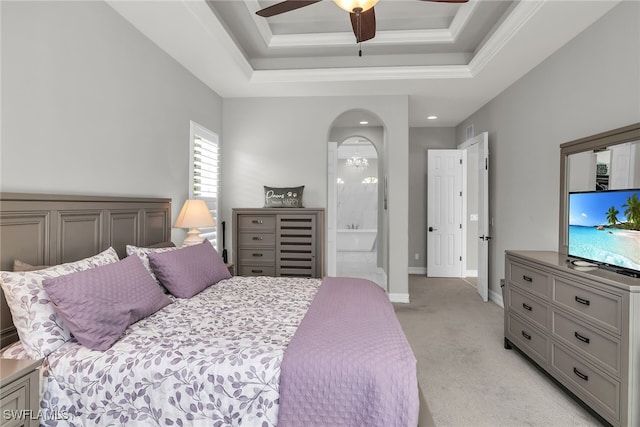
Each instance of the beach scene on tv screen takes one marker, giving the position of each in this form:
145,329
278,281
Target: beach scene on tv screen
604,226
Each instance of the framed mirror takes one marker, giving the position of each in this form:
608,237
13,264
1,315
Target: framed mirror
606,161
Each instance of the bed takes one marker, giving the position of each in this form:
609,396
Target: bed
246,351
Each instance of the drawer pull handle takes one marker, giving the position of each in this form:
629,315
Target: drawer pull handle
256,271
257,221
257,255
526,335
257,237
526,307
583,301
580,374
527,279
581,338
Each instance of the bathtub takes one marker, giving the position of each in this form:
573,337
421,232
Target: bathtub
360,240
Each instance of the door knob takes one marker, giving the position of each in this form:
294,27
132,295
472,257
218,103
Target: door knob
433,229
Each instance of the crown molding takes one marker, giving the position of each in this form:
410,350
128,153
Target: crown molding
426,36
361,74
505,32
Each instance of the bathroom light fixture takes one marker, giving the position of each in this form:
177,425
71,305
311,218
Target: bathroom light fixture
194,214
352,5
357,161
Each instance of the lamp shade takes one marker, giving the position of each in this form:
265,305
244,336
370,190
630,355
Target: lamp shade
350,5
194,214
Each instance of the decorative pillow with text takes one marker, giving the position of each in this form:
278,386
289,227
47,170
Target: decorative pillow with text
289,197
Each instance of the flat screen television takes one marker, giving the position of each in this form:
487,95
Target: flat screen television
604,229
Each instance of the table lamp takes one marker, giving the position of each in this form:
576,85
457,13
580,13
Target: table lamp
194,214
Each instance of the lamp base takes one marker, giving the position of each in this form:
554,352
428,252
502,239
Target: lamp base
193,237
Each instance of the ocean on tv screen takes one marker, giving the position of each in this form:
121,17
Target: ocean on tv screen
604,227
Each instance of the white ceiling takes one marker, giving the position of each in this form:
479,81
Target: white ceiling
449,59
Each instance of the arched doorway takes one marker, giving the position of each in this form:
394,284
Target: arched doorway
356,218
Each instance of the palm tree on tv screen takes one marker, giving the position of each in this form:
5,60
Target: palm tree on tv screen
632,211
612,215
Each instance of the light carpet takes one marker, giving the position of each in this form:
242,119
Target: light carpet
466,375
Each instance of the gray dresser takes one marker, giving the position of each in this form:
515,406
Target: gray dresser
581,325
278,242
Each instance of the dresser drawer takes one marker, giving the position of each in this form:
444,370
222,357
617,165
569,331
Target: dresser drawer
602,308
257,270
534,281
529,307
15,397
257,256
598,389
256,239
257,223
524,334
603,348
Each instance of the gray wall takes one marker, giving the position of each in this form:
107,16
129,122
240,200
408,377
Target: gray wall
590,85
421,140
91,106
286,144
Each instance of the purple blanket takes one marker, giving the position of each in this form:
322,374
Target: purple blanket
349,362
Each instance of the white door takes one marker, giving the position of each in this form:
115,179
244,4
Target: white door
483,216
444,213
480,145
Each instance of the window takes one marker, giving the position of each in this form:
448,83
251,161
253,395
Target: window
204,174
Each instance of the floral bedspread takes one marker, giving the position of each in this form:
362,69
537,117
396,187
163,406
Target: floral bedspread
211,360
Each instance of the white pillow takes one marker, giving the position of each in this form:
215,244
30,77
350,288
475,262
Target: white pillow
39,327
14,351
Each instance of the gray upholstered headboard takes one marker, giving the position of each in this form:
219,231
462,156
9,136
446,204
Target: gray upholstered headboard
53,229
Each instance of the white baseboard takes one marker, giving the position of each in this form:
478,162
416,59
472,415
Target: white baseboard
403,298
496,297
418,270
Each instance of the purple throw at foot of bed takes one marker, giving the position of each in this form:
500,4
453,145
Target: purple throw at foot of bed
349,362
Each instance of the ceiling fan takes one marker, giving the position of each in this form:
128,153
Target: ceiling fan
363,18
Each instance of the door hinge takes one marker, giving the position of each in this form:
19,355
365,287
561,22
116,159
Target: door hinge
460,226
461,258
460,161
486,163
461,194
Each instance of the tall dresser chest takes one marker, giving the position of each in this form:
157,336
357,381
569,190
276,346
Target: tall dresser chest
278,242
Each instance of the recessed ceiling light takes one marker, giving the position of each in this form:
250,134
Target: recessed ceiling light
432,117
364,122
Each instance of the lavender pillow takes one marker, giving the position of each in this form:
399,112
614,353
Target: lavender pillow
99,304
143,254
190,270
39,327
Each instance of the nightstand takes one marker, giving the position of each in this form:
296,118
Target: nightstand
231,268
19,392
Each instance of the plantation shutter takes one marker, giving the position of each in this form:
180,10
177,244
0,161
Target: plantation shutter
205,176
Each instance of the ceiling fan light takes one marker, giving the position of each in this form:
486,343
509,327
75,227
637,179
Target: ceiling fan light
350,5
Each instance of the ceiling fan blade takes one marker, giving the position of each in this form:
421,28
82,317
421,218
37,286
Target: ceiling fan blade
285,6
366,28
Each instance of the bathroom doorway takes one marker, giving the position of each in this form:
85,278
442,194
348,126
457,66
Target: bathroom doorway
357,186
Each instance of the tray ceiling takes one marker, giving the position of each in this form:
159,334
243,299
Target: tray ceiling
449,59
